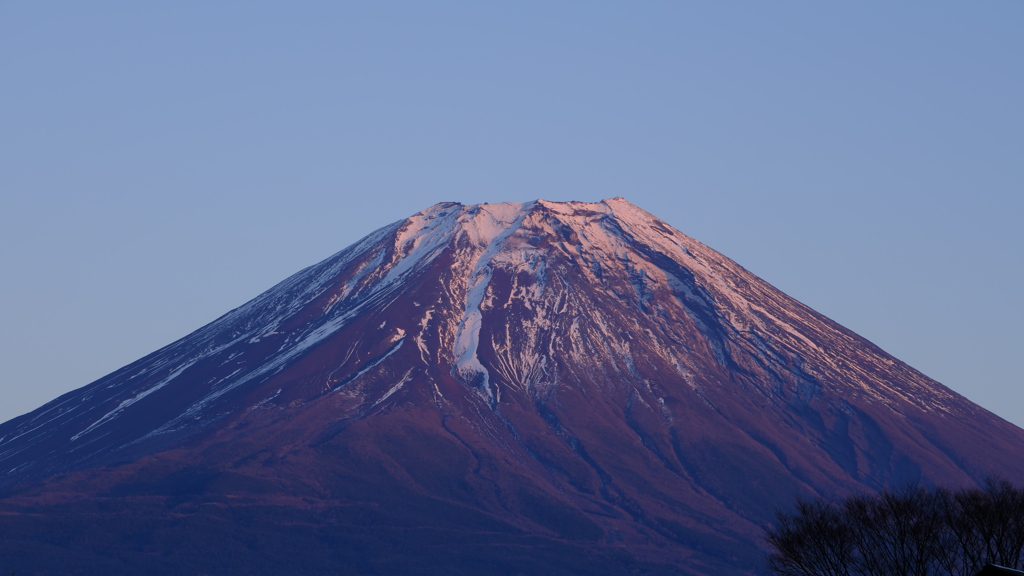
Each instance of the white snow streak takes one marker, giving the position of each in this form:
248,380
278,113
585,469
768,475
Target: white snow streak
395,388
134,399
497,224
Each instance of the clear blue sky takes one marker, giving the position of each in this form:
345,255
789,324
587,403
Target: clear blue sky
161,163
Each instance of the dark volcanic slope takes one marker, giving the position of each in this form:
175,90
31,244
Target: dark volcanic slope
560,387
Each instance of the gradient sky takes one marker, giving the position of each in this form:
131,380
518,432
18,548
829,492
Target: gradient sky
162,163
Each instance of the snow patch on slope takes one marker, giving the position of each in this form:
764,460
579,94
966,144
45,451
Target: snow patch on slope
493,224
134,399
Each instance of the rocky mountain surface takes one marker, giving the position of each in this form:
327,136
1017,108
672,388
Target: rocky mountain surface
556,388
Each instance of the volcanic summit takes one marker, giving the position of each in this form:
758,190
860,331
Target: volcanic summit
539,387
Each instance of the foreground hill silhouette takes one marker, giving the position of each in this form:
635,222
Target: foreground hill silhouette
558,388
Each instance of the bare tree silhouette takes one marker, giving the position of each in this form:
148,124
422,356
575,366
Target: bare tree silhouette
907,531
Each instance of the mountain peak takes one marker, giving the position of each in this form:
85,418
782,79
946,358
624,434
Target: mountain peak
490,225
489,217
569,369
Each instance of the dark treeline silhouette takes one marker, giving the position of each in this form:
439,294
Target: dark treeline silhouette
907,531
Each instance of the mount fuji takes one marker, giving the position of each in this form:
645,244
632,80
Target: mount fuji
515,388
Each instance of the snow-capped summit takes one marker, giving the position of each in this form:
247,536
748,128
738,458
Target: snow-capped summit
567,375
